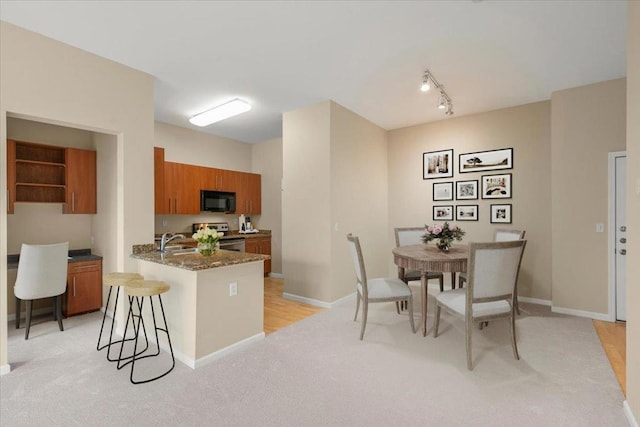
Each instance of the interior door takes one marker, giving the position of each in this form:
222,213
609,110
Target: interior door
621,237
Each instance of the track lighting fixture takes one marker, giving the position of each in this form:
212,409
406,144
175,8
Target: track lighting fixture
425,82
444,102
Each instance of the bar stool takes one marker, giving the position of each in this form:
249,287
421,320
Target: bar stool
138,290
116,279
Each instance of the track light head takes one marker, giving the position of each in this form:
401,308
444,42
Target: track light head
441,103
449,111
425,83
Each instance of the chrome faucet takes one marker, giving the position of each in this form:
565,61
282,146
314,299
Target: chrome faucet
165,240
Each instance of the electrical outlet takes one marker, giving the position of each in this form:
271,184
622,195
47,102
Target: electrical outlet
233,289
93,240
599,227
164,223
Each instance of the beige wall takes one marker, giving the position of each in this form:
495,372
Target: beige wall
358,197
526,129
335,182
48,81
182,145
267,161
587,123
306,199
633,209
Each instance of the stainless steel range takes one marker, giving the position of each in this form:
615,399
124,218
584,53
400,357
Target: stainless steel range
226,243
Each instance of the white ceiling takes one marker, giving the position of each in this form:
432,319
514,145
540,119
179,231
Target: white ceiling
368,56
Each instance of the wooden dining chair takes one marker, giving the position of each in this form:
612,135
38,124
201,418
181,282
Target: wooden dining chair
388,289
490,292
413,236
501,235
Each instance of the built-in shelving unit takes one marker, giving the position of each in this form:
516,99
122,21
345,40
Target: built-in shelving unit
39,173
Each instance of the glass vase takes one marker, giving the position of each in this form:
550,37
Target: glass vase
444,244
206,248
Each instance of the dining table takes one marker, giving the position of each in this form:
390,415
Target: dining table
426,259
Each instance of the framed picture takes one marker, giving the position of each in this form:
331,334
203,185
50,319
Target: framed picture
500,214
437,164
496,186
442,191
486,160
443,213
467,190
466,212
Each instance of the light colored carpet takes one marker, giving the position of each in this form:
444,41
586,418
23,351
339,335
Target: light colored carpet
317,373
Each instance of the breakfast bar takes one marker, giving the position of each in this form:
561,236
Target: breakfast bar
215,303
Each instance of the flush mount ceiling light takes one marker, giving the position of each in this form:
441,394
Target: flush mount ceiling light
224,111
444,102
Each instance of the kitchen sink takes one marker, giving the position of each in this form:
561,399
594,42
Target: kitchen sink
184,251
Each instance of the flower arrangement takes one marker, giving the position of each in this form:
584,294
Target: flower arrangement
207,240
445,233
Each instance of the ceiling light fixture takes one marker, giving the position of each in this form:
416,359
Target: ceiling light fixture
425,82
444,102
224,111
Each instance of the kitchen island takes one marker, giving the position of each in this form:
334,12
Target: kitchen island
215,304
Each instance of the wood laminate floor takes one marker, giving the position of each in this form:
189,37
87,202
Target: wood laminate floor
613,336
280,312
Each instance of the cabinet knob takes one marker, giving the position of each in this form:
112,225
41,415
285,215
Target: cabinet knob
623,251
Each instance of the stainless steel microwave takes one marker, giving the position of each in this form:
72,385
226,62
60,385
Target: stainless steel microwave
217,201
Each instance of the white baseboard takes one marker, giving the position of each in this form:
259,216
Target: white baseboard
5,369
230,349
627,411
315,302
276,275
535,301
580,313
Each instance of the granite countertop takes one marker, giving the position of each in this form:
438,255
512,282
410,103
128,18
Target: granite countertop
75,255
195,261
231,234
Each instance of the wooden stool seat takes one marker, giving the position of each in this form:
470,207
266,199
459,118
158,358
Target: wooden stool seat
137,291
146,288
120,279
116,279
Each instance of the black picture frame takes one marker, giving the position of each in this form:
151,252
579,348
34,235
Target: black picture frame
501,214
443,213
490,160
467,212
442,191
467,190
497,186
437,164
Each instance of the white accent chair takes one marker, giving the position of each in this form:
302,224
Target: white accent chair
390,289
501,235
490,292
42,273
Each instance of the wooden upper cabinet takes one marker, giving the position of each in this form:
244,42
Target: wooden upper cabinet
81,181
181,188
249,194
177,186
161,204
51,174
218,180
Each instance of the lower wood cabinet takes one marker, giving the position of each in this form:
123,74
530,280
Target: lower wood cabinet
84,287
260,245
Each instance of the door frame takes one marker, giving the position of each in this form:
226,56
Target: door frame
611,229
